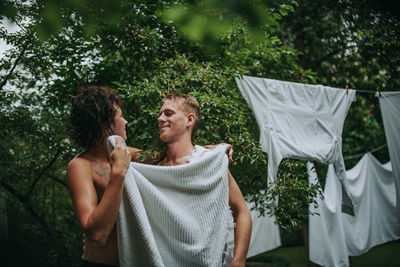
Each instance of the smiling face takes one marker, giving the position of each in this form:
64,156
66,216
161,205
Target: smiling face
174,122
119,123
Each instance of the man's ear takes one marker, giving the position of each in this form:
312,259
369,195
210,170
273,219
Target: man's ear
191,119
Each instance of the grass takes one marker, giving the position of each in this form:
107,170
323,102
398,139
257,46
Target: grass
386,255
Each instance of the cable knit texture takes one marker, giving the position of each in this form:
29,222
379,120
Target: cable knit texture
175,215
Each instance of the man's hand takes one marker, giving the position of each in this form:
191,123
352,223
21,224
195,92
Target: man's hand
229,149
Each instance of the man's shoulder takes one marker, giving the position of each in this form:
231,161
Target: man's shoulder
197,153
200,148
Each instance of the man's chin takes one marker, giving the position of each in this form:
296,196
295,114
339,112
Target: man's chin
163,138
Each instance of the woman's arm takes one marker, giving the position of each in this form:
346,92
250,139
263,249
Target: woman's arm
97,219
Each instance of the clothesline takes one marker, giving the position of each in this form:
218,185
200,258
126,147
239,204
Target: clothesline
365,91
378,90
362,154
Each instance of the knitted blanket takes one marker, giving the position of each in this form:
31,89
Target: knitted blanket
175,215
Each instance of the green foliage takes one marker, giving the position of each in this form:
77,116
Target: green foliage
33,154
354,43
145,49
363,131
347,42
292,193
144,58
207,21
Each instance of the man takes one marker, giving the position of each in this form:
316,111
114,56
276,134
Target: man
178,118
96,178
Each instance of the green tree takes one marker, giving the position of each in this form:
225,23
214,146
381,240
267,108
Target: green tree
130,46
354,43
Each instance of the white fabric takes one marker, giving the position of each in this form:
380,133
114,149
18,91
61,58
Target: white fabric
335,235
197,154
111,142
176,215
374,199
265,234
298,120
389,103
327,240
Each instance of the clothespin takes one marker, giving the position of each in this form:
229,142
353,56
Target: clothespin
347,89
379,91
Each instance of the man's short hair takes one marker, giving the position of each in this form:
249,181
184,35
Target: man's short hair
92,115
188,103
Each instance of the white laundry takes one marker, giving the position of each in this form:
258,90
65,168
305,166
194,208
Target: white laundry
335,235
327,239
175,215
265,234
389,103
298,120
374,199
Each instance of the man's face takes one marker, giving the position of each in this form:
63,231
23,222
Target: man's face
119,123
172,121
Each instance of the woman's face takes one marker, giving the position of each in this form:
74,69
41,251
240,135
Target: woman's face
119,124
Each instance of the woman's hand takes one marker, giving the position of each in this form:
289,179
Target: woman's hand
120,158
229,149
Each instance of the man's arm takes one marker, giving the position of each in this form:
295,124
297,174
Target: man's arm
97,219
242,218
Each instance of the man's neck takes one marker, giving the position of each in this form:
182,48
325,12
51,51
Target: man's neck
178,151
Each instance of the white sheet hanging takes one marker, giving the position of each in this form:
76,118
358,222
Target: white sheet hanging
335,235
374,199
389,103
327,239
298,120
265,234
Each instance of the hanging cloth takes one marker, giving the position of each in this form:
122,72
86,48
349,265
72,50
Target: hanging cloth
371,186
265,234
389,103
335,235
327,239
298,120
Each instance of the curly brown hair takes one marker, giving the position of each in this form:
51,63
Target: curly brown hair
92,115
